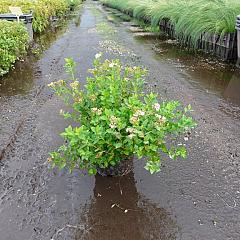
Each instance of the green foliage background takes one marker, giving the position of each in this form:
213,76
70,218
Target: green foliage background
13,44
14,37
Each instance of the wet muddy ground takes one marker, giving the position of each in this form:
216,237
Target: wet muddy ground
198,198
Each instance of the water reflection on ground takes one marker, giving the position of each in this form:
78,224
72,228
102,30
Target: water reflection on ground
207,72
117,202
232,91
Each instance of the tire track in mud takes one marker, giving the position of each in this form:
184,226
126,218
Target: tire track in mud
12,140
36,98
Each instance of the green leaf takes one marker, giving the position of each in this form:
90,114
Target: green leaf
153,166
92,171
118,145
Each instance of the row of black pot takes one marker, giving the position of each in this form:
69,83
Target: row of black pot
224,47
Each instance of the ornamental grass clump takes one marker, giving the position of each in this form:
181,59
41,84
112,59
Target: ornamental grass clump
191,19
194,18
115,120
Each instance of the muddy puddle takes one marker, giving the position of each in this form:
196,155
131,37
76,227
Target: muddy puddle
202,71
117,202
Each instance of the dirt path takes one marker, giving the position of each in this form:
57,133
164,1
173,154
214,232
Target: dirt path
198,198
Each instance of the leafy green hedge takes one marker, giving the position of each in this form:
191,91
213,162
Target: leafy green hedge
13,44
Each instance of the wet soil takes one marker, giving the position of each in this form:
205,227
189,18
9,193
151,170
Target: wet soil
198,198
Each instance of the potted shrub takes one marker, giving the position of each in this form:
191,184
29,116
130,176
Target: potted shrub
117,120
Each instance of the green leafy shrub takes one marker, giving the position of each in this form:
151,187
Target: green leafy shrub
115,119
13,44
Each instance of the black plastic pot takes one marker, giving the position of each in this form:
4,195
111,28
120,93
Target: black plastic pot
167,27
123,168
224,47
27,18
238,39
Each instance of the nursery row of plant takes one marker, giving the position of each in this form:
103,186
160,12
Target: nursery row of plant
42,10
195,23
14,36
